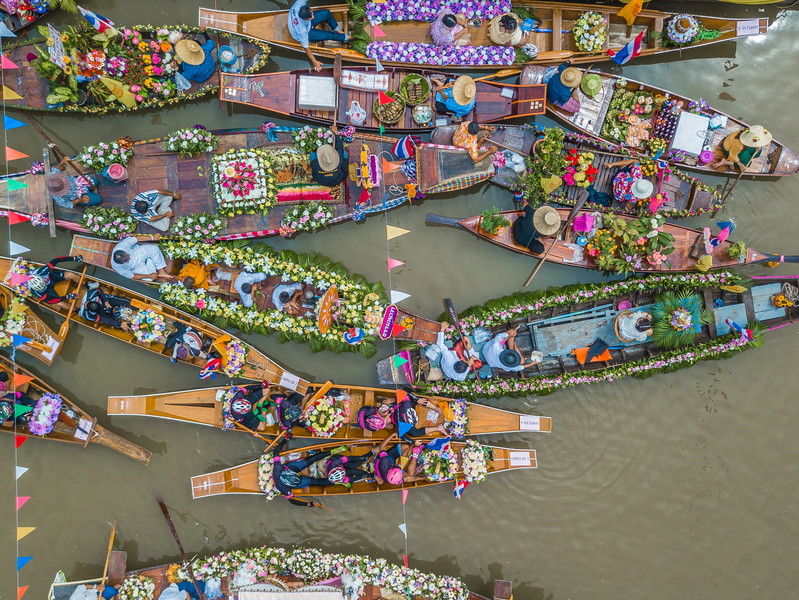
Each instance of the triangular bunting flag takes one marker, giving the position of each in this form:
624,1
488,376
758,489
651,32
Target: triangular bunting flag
389,166
396,329
382,129
404,560
22,561
382,98
396,297
7,63
379,66
5,31
401,395
21,471
403,428
10,123
23,531
21,409
21,591
13,185
404,496
19,340
14,218
404,529
12,154
392,232
393,262
19,278
19,440
14,248
365,196
399,360
21,500
376,29
20,380
9,94
17,308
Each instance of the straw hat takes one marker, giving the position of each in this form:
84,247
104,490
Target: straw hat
190,52
571,77
642,188
546,220
755,137
329,159
464,90
57,184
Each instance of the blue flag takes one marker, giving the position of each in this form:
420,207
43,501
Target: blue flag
19,340
403,428
438,443
22,561
5,31
10,123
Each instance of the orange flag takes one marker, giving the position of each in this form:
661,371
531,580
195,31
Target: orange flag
20,379
12,154
389,166
383,99
631,10
21,591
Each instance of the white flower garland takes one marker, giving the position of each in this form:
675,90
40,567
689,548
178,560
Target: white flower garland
137,587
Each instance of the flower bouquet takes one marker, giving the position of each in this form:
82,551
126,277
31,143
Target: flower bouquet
243,182
458,425
198,227
236,355
430,54
148,326
677,318
325,416
307,217
682,29
580,170
21,267
226,397
13,324
265,481
428,10
590,31
475,457
439,465
307,139
99,156
109,223
45,414
137,587
191,141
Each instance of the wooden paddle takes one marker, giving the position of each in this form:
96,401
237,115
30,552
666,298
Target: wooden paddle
52,144
577,206
319,393
108,556
737,179
62,333
337,81
186,562
238,425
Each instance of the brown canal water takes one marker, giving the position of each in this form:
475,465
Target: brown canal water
682,485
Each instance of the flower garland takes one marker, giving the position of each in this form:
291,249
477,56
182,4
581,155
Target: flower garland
243,182
99,156
590,31
14,322
439,465
148,326
361,303
325,416
191,141
430,54
45,414
307,139
198,227
458,426
475,457
428,10
307,217
689,29
20,267
311,565
110,223
236,356
225,397
266,482
137,587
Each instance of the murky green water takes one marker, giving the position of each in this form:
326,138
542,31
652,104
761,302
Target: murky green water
683,485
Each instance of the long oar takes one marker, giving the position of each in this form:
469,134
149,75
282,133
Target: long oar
108,556
186,562
737,179
577,206
238,425
58,150
319,393
65,325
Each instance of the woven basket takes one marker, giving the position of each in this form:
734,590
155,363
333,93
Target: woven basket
390,113
415,92
624,313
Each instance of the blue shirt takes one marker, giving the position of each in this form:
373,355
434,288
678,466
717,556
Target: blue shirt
299,28
557,92
205,69
459,110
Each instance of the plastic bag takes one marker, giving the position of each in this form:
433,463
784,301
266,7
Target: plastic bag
356,113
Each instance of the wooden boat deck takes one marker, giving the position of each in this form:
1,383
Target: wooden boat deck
45,343
243,479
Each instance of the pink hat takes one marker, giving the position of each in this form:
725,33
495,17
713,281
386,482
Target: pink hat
394,476
583,223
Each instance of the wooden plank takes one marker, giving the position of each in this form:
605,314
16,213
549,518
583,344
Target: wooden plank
49,197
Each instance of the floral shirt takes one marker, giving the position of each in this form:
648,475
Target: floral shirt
623,182
441,34
464,139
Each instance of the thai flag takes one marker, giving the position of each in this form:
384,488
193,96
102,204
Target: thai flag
459,488
630,51
745,333
208,370
438,443
101,24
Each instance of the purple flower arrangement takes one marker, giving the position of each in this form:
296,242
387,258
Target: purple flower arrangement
430,54
428,10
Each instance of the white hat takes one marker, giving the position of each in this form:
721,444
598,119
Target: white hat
642,188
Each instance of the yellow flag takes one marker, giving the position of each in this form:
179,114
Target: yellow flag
631,10
392,232
9,94
17,308
23,531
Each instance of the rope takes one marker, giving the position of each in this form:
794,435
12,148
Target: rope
791,293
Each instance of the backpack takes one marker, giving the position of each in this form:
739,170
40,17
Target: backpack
369,420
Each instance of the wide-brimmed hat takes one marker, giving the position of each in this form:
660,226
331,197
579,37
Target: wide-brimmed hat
546,220
464,90
571,77
57,184
190,52
642,188
755,137
591,84
329,159
510,358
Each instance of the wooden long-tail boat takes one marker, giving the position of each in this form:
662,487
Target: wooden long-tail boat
17,23
203,407
688,129
553,37
243,479
257,366
561,323
74,425
284,93
34,89
566,250
44,343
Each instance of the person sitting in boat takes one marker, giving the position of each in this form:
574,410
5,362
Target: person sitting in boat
450,29
329,164
70,191
456,97
197,60
471,136
250,407
741,147
458,361
634,326
244,286
45,278
196,275
302,27
7,403
153,207
99,307
396,465
138,261
506,30
288,298
502,352
341,469
534,223
287,476
186,341
390,414
562,86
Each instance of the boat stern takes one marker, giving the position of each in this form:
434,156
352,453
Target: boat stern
788,163
389,374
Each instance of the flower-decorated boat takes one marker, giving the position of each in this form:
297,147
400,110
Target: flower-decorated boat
275,573
81,74
456,461
575,162
16,318
399,33
151,322
207,406
20,14
654,121
589,333
332,308
319,96
622,243
55,417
